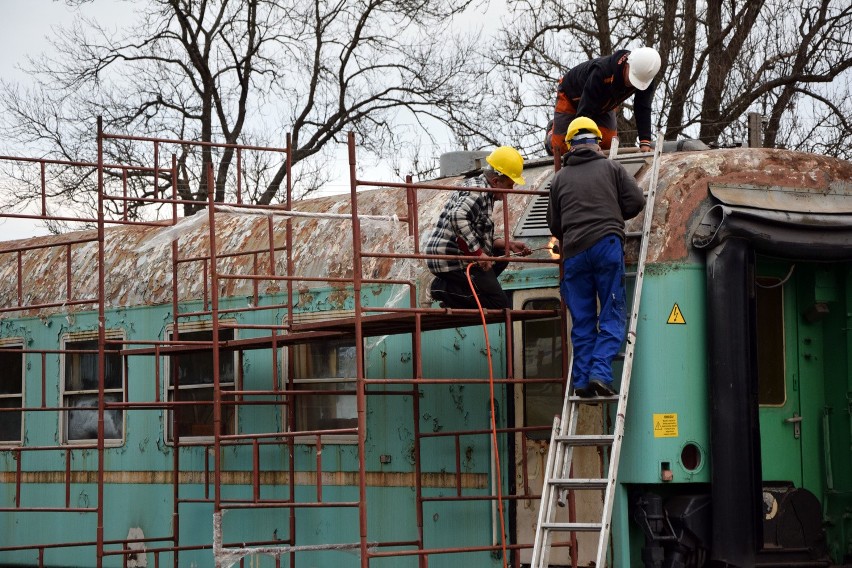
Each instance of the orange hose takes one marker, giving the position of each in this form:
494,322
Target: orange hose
493,419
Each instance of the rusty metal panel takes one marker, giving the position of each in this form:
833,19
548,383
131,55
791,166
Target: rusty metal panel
683,194
138,259
833,198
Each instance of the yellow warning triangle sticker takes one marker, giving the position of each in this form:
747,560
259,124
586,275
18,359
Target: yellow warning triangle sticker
676,316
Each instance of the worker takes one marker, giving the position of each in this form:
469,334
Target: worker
465,228
590,198
596,88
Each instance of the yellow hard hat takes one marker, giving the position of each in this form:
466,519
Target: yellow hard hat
582,123
508,162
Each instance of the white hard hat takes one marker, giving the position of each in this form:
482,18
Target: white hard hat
644,64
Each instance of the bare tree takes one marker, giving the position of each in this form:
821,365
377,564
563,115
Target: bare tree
234,71
721,60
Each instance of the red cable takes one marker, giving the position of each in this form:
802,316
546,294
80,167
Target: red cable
493,419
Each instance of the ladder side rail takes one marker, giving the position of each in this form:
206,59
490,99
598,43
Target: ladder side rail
613,147
568,457
628,357
566,400
568,427
554,468
570,419
546,503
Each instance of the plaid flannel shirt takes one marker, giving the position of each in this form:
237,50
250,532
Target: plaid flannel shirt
467,218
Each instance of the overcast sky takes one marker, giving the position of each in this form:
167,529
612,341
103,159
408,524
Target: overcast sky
25,28
27,25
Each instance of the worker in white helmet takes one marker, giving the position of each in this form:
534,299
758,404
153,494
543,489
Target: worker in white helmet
596,88
465,228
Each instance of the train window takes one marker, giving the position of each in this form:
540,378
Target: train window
11,392
769,301
80,388
327,372
190,380
542,344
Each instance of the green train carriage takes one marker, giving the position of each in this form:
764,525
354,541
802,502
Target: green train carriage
738,429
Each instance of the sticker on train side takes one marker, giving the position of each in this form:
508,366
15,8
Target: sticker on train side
676,316
665,425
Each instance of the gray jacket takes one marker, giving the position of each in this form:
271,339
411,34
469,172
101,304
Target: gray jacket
590,198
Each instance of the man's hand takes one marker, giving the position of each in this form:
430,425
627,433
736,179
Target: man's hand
485,265
520,248
645,146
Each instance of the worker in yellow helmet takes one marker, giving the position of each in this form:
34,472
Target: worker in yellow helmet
465,228
590,198
596,88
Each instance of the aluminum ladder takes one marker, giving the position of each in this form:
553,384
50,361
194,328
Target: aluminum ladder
558,472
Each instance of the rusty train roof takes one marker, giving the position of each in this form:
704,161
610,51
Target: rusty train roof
685,180
138,259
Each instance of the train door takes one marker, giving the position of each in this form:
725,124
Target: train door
804,313
538,355
802,348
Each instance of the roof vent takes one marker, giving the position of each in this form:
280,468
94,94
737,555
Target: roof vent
534,221
456,163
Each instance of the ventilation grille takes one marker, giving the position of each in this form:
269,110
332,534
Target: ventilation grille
534,221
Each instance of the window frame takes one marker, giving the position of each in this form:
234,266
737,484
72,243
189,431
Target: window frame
777,350
78,337
196,327
525,395
13,343
288,353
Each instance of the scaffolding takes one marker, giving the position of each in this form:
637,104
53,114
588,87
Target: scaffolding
232,295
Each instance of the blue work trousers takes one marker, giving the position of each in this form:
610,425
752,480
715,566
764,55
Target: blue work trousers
596,274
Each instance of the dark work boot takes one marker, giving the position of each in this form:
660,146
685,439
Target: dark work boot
601,388
584,391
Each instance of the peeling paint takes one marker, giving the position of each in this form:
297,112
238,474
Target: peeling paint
138,261
683,188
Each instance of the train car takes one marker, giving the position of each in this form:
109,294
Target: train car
737,446
341,419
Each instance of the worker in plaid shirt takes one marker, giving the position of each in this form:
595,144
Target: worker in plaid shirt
466,228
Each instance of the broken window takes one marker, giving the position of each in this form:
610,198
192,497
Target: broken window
191,377
11,393
328,371
80,390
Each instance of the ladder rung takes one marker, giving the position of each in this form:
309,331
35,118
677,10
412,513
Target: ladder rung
578,527
632,234
568,483
586,439
593,399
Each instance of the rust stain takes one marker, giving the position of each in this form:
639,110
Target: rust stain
683,187
336,478
138,259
